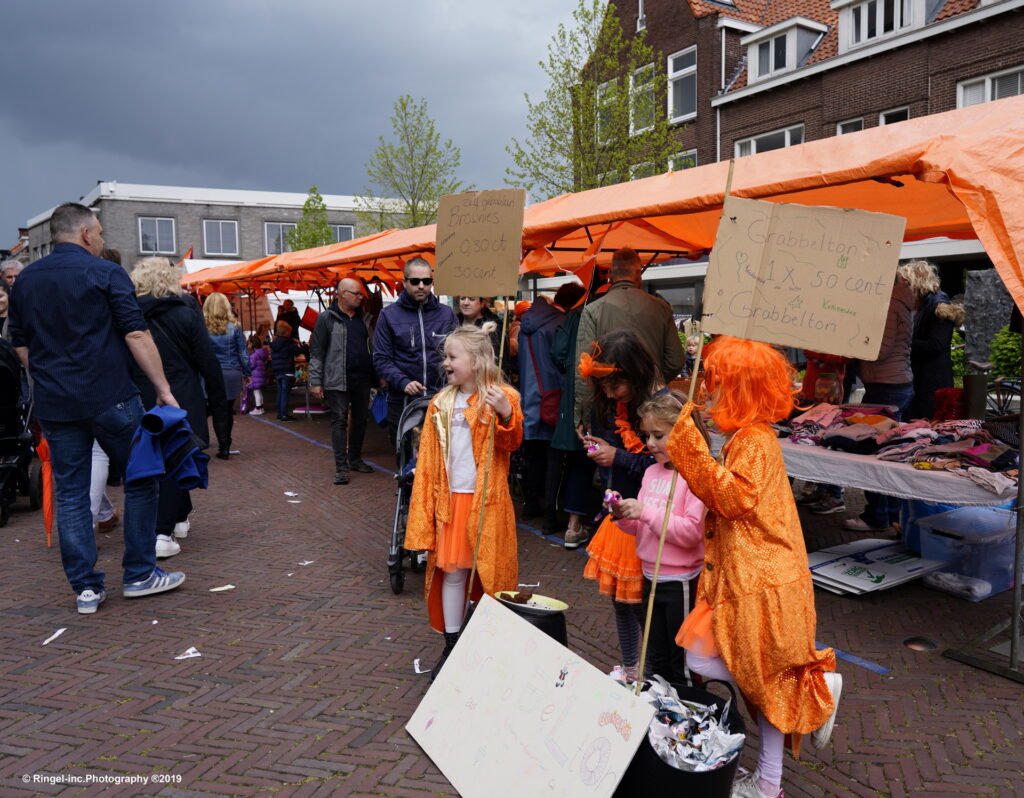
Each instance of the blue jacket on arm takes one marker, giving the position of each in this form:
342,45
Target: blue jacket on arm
164,446
408,340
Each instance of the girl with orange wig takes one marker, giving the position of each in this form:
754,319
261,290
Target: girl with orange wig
754,623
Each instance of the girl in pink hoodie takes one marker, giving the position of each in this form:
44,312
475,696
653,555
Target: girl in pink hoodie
683,555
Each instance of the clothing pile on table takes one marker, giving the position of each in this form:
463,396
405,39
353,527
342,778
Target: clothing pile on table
964,447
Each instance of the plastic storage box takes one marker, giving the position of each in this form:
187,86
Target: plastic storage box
978,545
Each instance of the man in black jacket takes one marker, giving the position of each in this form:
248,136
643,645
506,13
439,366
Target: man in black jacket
341,370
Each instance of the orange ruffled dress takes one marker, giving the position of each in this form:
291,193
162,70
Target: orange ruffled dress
614,565
756,590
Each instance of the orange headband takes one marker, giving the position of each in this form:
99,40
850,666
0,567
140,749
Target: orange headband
591,368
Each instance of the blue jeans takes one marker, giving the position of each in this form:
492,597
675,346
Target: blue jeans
284,387
71,456
881,511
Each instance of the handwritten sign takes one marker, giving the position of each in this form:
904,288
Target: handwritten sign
479,242
809,277
515,713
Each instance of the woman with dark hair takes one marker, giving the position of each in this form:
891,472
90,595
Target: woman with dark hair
476,310
189,362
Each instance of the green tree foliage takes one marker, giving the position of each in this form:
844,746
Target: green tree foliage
409,174
602,118
312,229
1004,352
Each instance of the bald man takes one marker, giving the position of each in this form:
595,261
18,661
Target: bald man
341,371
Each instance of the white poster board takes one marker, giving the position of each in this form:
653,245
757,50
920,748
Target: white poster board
815,278
479,243
514,713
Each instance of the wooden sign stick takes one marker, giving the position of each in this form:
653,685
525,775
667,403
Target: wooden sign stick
491,422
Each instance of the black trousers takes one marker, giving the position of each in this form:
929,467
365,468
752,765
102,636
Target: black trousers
222,415
543,474
348,445
673,601
172,506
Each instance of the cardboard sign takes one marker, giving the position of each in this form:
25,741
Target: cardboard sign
515,713
818,278
479,243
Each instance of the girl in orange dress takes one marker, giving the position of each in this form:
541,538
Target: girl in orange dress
623,376
754,622
445,506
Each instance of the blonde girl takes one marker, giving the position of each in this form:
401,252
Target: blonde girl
448,492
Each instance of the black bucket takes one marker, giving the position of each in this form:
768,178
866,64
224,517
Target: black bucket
648,775
550,623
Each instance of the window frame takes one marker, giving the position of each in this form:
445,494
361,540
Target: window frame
988,80
788,130
672,77
755,56
604,95
856,15
839,126
634,93
881,115
351,229
206,240
641,16
284,241
680,155
634,170
174,235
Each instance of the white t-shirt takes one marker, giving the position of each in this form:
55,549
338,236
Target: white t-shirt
461,465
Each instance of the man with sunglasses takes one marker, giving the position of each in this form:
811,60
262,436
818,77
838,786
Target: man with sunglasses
408,339
341,370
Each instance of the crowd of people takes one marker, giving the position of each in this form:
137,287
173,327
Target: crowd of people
578,386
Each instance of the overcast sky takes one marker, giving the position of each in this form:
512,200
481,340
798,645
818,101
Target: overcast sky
253,94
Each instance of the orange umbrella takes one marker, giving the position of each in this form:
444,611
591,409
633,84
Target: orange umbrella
46,473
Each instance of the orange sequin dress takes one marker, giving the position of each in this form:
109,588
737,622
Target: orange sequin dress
756,580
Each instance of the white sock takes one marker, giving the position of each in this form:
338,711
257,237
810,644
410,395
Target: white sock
453,598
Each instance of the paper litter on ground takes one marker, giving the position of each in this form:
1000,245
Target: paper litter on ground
535,584
307,562
865,566
155,622
221,588
192,651
290,493
294,501
416,666
55,635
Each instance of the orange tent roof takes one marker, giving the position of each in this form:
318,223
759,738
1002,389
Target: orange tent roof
956,174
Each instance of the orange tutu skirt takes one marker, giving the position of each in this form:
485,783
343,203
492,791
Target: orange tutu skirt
695,634
614,565
453,549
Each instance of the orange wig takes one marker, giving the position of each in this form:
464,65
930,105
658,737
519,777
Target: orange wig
749,382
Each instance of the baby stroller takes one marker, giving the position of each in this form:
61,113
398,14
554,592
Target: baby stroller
20,470
406,444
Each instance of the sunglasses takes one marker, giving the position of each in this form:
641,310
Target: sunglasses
419,280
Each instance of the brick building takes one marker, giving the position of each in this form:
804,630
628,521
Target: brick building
747,76
217,224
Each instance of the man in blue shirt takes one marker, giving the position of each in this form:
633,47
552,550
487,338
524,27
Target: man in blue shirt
75,326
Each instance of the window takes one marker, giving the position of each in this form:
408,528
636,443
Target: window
220,237
156,235
879,18
605,98
343,232
682,85
274,234
991,87
850,126
641,115
682,160
771,56
641,16
642,170
775,140
894,115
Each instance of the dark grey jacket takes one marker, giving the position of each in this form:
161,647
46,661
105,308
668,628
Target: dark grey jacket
327,350
892,366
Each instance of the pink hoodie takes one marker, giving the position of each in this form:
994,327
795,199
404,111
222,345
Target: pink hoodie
684,540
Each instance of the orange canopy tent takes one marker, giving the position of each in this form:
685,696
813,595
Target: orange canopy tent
958,174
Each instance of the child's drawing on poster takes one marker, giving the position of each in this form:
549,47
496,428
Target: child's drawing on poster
516,713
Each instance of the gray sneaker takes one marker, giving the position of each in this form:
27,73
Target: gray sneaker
158,582
827,505
574,538
90,600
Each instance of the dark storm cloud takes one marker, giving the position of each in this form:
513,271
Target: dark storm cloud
254,94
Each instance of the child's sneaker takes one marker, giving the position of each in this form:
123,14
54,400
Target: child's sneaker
256,411
827,505
821,736
747,786
89,601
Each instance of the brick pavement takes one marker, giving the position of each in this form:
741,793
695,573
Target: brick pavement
306,680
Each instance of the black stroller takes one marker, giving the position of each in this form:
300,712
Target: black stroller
20,470
406,445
